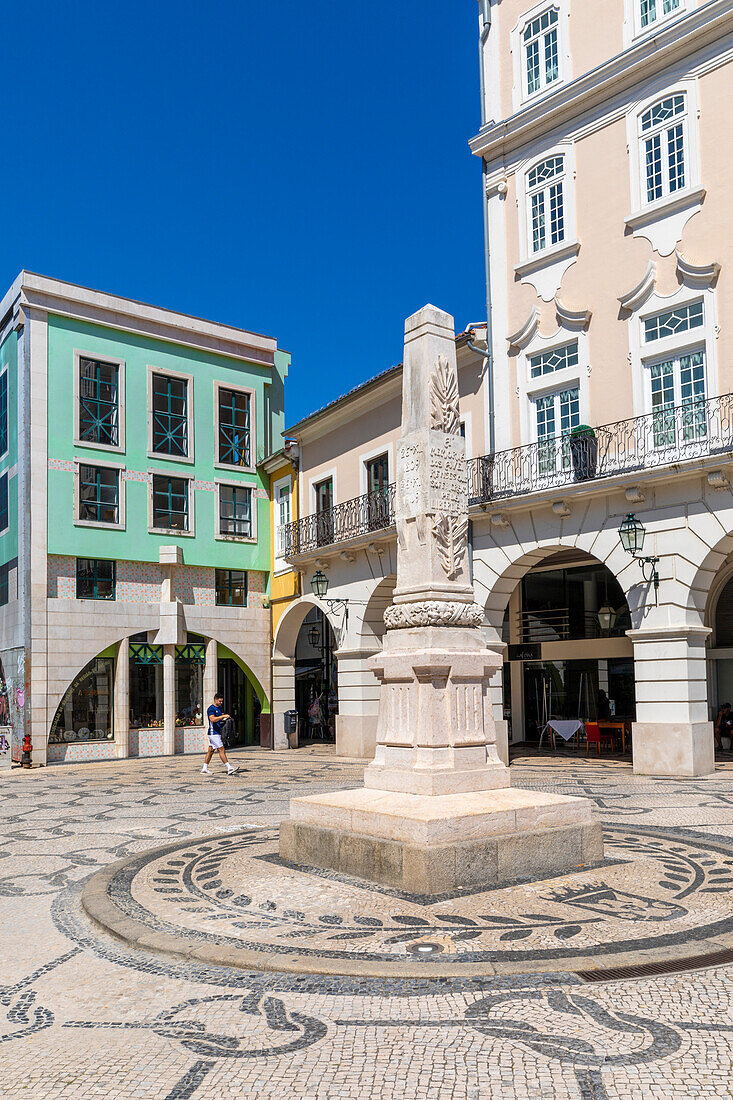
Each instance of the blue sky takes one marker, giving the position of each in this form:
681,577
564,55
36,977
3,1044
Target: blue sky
298,169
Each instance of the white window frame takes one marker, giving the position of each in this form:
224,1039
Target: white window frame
632,18
529,389
219,385
102,357
6,371
520,95
188,460
279,563
554,392
219,535
385,449
643,354
544,270
674,355
6,474
169,531
323,475
120,467
544,188
662,220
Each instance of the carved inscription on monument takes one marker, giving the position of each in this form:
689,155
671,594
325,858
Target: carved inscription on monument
431,475
448,490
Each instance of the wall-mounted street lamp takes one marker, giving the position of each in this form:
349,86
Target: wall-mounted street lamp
632,533
314,636
319,587
606,618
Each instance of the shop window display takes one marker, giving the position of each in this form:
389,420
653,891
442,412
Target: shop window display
190,661
146,685
85,712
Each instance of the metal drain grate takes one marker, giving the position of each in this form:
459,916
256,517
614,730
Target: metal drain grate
666,966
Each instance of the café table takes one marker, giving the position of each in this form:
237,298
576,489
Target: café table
615,724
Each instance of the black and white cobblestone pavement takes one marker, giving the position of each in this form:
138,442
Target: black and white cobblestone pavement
84,1015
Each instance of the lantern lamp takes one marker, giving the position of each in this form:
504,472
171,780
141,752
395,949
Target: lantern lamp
632,532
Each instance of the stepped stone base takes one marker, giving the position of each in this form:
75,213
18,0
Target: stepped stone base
439,844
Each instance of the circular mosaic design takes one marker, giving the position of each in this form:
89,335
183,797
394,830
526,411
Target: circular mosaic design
659,894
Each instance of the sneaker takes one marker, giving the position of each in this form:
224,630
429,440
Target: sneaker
231,770
205,771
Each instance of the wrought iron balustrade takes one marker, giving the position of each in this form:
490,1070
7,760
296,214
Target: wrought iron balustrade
361,516
667,436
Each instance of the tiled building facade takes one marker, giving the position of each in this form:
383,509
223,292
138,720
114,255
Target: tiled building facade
135,544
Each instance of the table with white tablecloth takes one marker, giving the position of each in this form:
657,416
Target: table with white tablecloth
566,728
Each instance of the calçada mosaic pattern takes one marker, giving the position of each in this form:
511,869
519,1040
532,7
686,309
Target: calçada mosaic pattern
649,895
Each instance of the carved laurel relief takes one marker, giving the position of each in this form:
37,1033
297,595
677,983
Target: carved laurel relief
444,398
451,536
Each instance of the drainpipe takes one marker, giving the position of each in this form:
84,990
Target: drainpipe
488,353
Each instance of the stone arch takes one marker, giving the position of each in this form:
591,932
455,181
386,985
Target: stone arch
372,625
709,578
494,591
286,634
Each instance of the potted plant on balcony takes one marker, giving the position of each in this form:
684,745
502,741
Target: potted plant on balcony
584,452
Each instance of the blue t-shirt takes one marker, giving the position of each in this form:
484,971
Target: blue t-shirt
212,714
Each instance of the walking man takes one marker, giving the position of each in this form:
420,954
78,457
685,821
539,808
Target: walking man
216,717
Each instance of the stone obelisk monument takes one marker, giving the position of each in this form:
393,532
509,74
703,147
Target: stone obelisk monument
437,811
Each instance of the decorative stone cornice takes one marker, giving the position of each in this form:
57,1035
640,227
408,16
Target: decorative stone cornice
522,337
718,481
641,291
683,37
696,275
433,613
576,319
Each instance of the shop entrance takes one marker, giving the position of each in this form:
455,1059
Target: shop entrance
240,701
570,661
316,679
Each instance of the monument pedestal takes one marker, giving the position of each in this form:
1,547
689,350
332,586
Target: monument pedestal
437,812
437,844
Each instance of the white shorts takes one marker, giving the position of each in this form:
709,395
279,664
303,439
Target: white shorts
215,740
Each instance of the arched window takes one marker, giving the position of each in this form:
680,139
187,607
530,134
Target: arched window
86,711
541,51
663,152
546,204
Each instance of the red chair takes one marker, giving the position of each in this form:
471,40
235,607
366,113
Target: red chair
594,735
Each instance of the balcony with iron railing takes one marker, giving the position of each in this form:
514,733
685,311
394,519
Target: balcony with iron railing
354,519
669,436
666,437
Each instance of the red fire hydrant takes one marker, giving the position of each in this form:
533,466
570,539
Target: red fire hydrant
25,759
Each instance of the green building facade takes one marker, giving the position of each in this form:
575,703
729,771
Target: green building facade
137,541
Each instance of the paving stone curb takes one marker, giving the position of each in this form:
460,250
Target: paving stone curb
105,914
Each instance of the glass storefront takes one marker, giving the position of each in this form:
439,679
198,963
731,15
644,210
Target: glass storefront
190,662
85,712
146,684
588,690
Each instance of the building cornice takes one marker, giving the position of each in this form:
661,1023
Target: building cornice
705,25
53,296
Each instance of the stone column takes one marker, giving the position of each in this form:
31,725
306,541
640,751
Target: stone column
436,732
211,672
358,691
496,694
169,700
122,699
673,734
283,698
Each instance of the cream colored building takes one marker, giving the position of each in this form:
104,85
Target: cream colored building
609,234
